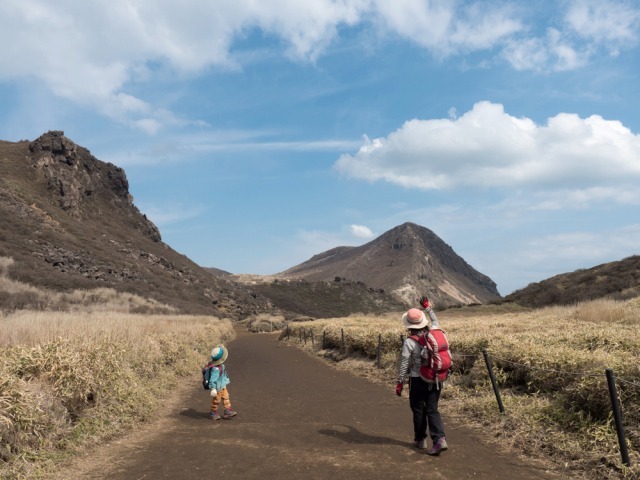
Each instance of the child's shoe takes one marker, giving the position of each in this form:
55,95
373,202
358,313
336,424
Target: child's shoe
228,413
420,443
214,415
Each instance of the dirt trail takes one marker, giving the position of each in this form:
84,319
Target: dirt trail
298,418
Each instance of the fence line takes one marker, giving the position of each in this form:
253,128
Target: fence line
560,372
343,339
608,374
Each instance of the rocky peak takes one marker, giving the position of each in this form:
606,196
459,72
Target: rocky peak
57,147
73,173
408,261
79,182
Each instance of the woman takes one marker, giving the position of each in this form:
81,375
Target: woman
423,396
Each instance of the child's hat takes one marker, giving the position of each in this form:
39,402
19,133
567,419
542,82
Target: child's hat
219,355
414,318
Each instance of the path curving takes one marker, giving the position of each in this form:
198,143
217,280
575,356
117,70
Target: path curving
298,418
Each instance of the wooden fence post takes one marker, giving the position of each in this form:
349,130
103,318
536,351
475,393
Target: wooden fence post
493,379
617,416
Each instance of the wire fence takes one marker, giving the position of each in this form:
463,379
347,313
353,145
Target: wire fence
306,335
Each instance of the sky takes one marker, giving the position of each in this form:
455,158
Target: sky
258,134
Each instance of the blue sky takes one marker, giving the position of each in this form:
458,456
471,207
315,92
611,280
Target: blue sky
257,134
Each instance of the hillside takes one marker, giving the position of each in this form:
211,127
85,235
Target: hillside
406,262
69,222
617,280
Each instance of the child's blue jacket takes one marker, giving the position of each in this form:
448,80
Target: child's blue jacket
219,378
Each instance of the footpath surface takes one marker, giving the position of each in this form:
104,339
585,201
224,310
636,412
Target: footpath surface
298,418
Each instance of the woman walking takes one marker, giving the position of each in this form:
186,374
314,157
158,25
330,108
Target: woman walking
424,396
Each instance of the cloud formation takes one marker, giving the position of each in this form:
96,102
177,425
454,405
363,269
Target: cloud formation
93,54
488,148
586,28
360,231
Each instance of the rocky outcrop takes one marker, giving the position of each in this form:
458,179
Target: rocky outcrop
76,178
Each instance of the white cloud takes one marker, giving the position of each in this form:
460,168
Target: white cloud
552,52
91,53
613,24
205,141
360,231
446,28
488,148
586,27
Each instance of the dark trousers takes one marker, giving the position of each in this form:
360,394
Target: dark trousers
423,400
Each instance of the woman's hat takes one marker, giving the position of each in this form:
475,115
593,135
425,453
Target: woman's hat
219,355
415,319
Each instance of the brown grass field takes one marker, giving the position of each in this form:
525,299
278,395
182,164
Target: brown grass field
72,379
549,363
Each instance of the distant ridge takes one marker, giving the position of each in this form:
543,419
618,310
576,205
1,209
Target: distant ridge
406,261
619,280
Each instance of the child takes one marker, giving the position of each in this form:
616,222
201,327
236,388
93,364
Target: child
218,381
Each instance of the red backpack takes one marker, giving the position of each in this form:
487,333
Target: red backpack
436,357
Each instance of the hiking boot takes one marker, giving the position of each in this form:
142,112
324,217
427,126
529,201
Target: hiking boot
420,443
438,446
443,444
214,415
228,413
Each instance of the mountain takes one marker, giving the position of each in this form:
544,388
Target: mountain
407,261
617,280
69,222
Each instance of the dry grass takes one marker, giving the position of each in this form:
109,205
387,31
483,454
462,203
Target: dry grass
16,295
550,364
72,379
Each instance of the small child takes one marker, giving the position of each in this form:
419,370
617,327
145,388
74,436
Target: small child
218,381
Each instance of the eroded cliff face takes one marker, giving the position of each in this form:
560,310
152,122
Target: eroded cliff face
79,182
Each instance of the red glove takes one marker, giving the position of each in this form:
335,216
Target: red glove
399,389
424,301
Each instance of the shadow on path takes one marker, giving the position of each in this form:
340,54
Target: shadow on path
197,414
355,436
